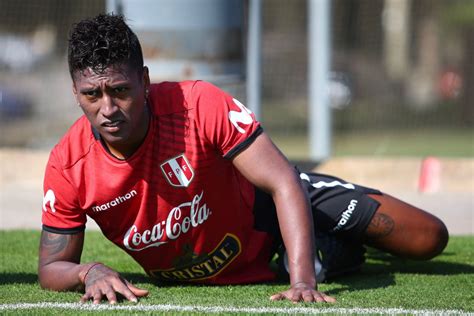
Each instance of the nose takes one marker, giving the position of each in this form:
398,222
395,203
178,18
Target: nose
108,108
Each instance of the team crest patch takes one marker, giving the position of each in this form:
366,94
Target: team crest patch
178,171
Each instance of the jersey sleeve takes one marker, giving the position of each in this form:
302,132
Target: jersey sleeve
224,120
61,213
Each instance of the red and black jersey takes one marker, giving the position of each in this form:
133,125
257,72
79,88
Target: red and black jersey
178,206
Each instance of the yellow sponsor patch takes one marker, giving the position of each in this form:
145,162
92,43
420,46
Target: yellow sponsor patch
203,266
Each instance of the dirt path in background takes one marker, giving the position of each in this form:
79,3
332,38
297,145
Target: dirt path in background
21,177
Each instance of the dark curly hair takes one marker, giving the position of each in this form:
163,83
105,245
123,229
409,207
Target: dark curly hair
103,41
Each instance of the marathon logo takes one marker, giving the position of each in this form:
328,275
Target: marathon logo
346,215
114,202
206,266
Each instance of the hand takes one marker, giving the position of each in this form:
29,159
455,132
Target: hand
100,280
303,292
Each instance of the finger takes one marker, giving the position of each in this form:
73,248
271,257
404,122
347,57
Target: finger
295,297
323,298
135,290
328,298
85,297
277,297
308,297
126,292
97,297
111,297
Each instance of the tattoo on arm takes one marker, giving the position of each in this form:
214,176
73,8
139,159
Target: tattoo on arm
380,226
53,244
59,247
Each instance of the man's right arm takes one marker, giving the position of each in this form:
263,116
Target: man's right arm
59,269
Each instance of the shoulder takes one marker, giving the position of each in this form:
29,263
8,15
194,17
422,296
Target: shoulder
199,88
171,97
74,145
182,87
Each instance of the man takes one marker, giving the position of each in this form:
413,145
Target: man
184,179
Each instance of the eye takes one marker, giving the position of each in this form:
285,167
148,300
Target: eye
120,90
91,93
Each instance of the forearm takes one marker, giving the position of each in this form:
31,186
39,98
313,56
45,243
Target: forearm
63,275
296,225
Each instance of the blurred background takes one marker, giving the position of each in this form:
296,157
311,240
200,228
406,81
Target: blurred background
401,71
398,89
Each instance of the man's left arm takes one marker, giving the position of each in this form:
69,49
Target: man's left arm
266,167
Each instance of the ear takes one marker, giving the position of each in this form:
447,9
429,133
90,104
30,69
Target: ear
146,78
74,91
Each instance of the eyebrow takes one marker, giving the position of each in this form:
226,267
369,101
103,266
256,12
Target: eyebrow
118,85
85,90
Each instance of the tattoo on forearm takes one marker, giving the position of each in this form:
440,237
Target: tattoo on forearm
380,226
53,244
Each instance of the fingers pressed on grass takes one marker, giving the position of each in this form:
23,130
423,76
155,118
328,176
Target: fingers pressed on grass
111,297
295,297
125,291
97,298
85,298
308,297
329,299
135,290
276,297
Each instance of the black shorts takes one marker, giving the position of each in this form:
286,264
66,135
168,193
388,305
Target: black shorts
340,208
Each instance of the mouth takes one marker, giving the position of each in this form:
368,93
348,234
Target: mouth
112,126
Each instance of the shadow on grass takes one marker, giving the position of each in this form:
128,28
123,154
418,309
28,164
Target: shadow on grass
136,278
32,278
388,263
23,278
378,272
381,273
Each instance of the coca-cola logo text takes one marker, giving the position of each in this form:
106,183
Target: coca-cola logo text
177,223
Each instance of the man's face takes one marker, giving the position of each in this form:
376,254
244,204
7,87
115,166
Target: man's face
114,103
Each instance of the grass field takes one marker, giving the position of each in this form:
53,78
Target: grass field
383,143
386,284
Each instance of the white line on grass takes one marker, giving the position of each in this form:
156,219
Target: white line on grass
230,309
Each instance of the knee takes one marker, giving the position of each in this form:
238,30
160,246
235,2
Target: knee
435,239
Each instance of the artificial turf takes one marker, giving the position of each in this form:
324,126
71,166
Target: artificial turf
444,283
